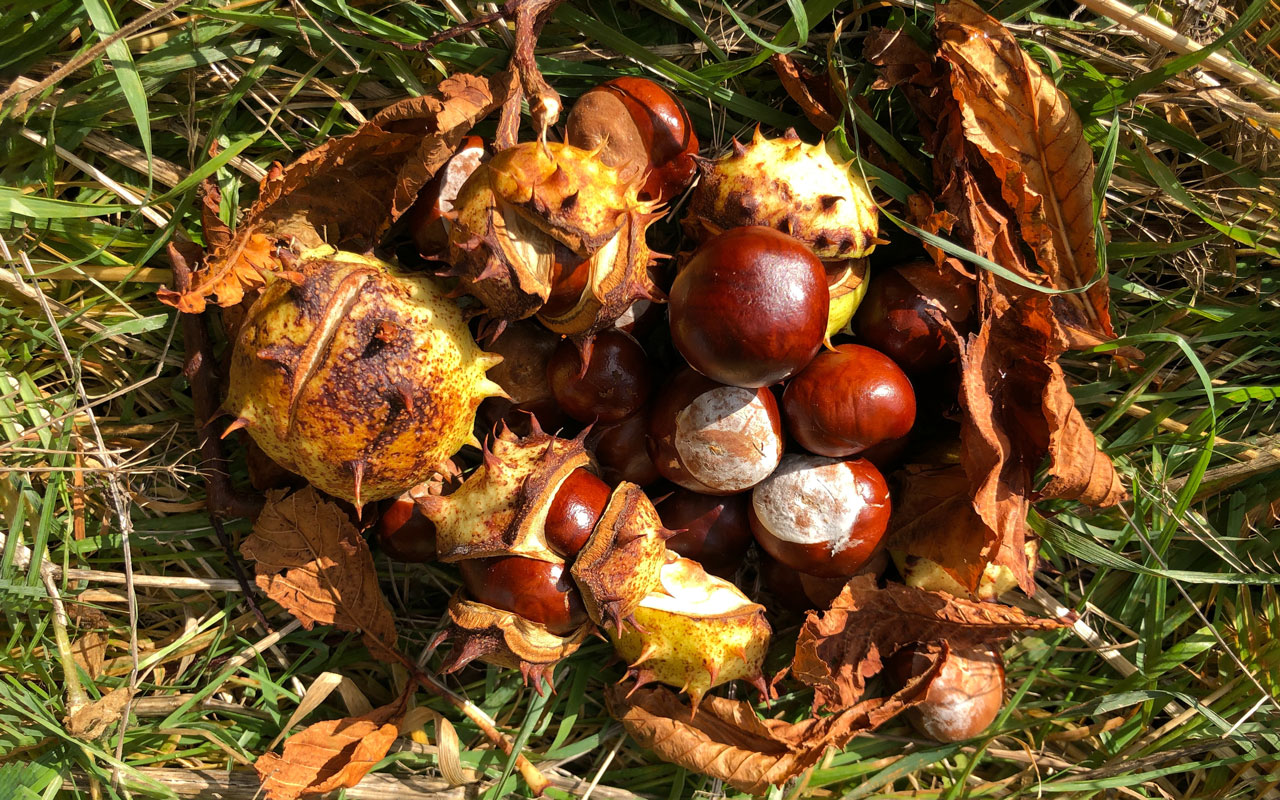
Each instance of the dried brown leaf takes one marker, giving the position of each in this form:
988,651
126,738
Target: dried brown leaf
310,559
933,518
1078,470
91,721
813,93
330,755
726,739
89,649
347,192
841,648
1027,132
1016,178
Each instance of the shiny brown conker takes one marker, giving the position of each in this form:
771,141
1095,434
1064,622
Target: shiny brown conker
427,220
848,399
964,697
615,383
641,124
750,307
821,516
526,348
713,529
621,451
574,512
536,590
712,438
896,318
569,275
404,533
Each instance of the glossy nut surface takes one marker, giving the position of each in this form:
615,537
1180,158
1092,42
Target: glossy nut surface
750,307
963,699
427,219
622,452
574,512
639,123
536,590
526,348
711,438
713,529
404,533
847,400
895,317
821,516
615,384
569,275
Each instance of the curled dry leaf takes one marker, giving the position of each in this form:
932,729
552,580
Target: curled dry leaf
1031,138
345,193
725,738
1017,189
812,92
330,755
91,721
89,649
841,648
310,559
931,499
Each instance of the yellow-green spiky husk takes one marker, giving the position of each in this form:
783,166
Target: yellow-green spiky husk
501,508
793,187
683,638
540,204
357,376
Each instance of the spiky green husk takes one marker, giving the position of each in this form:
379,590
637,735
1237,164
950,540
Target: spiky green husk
540,203
357,376
694,632
785,184
501,508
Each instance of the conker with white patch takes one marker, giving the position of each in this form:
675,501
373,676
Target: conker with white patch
614,384
712,438
427,220
847,400
821,516
537,590
964,697
713,530
750,307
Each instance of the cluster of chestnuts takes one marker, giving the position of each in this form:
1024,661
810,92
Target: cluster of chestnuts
654,428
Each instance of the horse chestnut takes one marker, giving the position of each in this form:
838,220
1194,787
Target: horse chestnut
712,530
637,123
427,220
714,439
526,348
750,307
895,317
963,698
614,384
821,516
537,590
621,451
574,512
848,399
404,533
